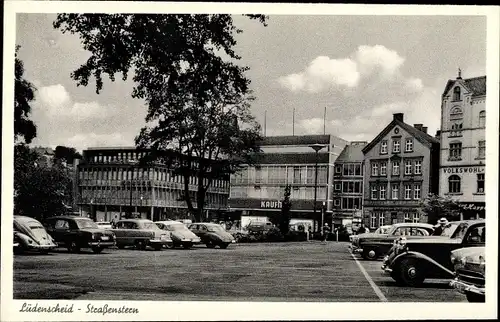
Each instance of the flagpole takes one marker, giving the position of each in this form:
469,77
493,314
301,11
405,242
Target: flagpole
324,122
265,120
293,122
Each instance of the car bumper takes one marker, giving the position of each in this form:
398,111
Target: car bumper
463,287
102,243
159,242
40,247
355,249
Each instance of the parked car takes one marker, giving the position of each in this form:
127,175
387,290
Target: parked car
411,261
469,265
259,227
178,234
212,234
140,233
76,232
30,235
374,245
104,225
378,231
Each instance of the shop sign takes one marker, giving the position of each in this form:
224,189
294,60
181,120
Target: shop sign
270,204
464,170
472,206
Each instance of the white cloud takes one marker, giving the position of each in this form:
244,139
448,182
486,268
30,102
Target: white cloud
82,141
54,96
324,73
312,125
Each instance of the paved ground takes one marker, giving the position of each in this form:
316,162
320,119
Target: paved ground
246,272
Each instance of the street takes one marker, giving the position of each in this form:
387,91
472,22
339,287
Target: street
307,271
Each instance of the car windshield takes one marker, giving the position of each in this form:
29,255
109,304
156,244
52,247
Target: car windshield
215,228
176,227
382,230
149,225
103,223
86,223
450,229
459,231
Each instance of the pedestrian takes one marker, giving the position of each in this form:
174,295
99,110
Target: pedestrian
326,231
441,226
362,229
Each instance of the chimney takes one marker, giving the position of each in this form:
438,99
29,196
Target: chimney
438,134
398,116
424,129
418,126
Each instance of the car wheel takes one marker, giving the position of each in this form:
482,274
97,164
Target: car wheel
141,244
411,272
73,247
157,247
97,250
19,250
120,246
370,254
210,244
170,245
187,245
223,245
475,298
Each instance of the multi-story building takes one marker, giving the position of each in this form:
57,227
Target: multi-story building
463,144
401,166
348,185
112,183
257,191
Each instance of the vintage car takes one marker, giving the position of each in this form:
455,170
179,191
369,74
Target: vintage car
373,245
104,225
30,235
140,233
178,234
469,265
212,234
411,261
76,232
378,231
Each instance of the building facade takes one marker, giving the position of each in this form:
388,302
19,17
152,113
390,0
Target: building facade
257,191
348,186
401,166
463,144
112,184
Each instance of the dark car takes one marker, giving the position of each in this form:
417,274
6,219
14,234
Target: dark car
374,245
411,261
75,233
212,234
30,235
469,264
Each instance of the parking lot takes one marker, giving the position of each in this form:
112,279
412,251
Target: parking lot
307,271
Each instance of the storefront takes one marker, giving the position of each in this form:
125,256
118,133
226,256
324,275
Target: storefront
472,210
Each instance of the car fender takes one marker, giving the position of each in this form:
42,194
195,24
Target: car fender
23,239
420,256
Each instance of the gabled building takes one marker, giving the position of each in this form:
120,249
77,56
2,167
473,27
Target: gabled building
463,144
401,166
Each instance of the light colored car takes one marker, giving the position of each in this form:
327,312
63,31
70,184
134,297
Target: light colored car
140,233
30,235
104,225
178,234
470,267
212,234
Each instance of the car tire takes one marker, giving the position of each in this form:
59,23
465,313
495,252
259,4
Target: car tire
210,244
120,246
170,245
370,254
187,245
411,272
73,247
97,250
475,298
223,245
19,250
157,247
141,245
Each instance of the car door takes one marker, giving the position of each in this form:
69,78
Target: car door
120,232
61,231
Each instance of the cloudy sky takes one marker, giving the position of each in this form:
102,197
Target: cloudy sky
361,68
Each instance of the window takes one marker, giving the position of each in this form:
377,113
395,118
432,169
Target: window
409,145
407,217
61,224
381,219
456,93
480,183
383,147
338,169
310,175
455,151
357,169
407,191
395,191
481,149
373,221
454,184
408,167
374,169
383,193
336,202
416,192
418,167
456,113
482,119
416,217
337,187
396,146
395,168
383,169
456,129
374,192
297,175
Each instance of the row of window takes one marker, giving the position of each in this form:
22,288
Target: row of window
396,146
349,169
456,114
410,191
379,168
349,187
455,153
277,193
348,203
455,184
280,175
377,219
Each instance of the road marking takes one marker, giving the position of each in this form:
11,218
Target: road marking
374,286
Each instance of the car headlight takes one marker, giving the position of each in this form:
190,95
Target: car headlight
92,236
482,262
453,259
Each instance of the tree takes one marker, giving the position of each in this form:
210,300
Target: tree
286,206
24,94
437,207
66,154
198,103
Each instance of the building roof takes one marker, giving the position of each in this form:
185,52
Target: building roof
421,136
352,153
296,139
477,85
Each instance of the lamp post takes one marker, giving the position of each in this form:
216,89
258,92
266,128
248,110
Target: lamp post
91,208
316,148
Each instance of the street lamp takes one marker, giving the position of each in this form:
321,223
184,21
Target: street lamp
91,208
316,148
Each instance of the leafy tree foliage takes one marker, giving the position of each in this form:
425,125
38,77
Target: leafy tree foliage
67,154
24,94
437,207
198,102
